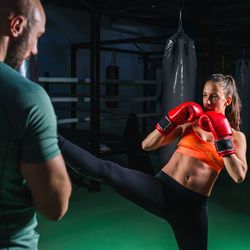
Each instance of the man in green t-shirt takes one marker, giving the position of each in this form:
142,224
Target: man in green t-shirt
32,170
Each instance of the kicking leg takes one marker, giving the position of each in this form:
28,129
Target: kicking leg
145,190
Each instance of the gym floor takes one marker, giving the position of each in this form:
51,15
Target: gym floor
107,221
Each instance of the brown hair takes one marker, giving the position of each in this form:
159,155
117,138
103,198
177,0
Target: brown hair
228,84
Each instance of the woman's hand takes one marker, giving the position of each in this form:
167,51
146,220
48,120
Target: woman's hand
184,113
230,145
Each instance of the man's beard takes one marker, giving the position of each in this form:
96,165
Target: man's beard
17,50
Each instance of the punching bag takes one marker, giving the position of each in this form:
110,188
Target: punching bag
178,78
242,79
112,89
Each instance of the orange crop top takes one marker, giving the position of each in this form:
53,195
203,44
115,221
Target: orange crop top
193,145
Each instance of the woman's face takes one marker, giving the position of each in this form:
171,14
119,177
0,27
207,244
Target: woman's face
214,98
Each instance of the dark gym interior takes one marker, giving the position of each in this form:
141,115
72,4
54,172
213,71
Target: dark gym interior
101,62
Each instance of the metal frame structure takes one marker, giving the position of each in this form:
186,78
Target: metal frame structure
95,46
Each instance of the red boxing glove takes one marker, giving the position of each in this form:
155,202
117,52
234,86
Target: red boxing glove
186,112
219,125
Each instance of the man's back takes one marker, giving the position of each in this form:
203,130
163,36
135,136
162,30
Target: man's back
27,135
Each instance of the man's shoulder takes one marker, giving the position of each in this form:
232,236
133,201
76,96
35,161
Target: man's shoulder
10,76
19,93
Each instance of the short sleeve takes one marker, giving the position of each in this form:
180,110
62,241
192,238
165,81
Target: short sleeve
39,142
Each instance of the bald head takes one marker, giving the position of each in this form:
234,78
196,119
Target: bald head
22,22
25,8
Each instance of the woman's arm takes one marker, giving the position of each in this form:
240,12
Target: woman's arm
236,164
230,144
155,139
170,126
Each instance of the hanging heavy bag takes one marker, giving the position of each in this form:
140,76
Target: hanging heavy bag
242,79
178,77
112,89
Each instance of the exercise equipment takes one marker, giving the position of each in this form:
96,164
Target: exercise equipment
113,112
242,79
112,89
178,78
129,143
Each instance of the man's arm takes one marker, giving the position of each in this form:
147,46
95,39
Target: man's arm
50,186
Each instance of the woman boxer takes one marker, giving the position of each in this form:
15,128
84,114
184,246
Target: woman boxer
179,192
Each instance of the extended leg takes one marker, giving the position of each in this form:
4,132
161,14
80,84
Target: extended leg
140,188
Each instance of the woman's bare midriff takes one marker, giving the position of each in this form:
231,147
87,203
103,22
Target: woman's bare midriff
191,173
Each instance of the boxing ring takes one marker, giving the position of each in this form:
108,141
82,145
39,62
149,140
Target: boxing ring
78,103
124,122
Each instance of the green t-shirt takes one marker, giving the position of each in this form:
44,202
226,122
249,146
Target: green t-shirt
27,135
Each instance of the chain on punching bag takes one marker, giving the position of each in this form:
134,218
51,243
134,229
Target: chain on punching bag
178,77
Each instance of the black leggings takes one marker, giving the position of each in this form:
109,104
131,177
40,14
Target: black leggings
185,210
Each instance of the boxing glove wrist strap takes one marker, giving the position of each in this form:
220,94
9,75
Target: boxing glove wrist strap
165,126
225,146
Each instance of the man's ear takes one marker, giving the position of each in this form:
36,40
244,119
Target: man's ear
17,23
